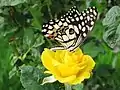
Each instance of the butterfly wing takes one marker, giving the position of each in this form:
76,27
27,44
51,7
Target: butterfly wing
72,28
82,23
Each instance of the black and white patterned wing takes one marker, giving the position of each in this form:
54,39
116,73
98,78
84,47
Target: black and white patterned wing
72,28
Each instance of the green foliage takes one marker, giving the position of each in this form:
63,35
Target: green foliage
31,79
78,87
112,23
22,43
11,2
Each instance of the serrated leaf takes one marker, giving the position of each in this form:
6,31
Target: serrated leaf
11,2
118,33
112,37
111,16
30,78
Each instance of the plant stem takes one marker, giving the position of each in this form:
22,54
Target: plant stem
68,86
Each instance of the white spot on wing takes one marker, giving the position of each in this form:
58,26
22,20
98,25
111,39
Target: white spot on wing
84,14
59,36
71,26
88,12
50,31
43,25
87,27
46,35
75,15
91,10
73,9
56,26
50,27
84,34
81,17
60,23
83,29
65,38
46,25
91,15
51,22
70,43
88,18
79,26
67,20
57,20
62,19
72,20
72,36
95,13
83,23
77,19
59,39
44,30
65,24
90,28
76,29
92,23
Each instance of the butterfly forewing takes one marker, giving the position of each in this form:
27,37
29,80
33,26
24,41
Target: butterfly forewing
72,28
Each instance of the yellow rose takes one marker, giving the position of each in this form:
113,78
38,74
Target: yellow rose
68,67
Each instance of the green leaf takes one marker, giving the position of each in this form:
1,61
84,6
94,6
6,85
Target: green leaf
118,33
112,37
105,58
30,78
5,59
98,30
28,37
11,2
92,48
37,15
117,61
78,87
1,20
111,16
39,41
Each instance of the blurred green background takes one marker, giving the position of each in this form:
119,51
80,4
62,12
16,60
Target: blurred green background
21,43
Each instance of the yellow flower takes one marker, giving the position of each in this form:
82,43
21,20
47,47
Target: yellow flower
68,67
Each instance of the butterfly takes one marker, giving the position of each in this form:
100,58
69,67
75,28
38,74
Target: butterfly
72,28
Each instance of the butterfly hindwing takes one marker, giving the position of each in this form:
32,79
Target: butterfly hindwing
72,28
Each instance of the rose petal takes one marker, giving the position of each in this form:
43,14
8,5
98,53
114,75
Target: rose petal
66,79
65,70
48,61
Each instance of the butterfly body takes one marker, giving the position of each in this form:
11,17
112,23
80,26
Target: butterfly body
72,28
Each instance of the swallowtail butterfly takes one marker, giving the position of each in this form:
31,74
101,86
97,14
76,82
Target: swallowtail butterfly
72,28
